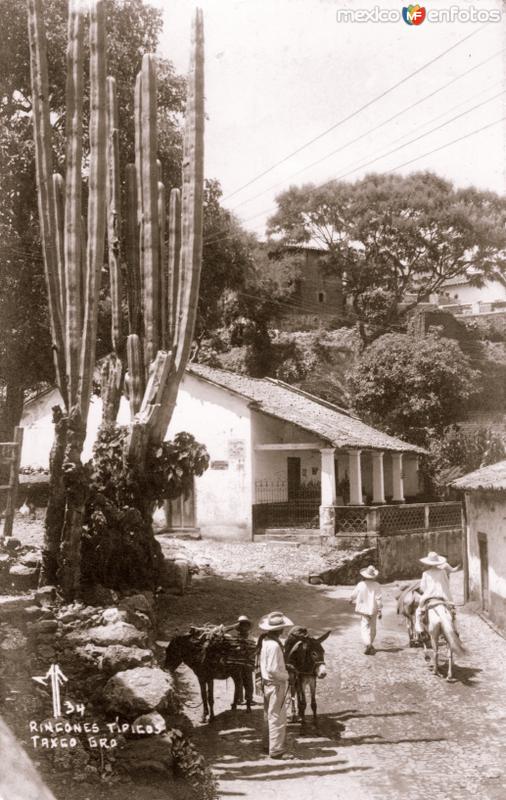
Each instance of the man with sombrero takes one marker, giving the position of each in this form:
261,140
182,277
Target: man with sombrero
435,583
274,682
368,603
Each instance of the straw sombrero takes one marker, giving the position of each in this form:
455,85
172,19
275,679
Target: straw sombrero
369,572
274,621
433,560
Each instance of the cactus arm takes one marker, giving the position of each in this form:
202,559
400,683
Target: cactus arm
149,192
135,376
113,216
192,196
111,383
45,188
174,263
138,172
162,270
191,231
73,195
132,253
96,199
59,215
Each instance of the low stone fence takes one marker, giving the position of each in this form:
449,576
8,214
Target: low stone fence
397,535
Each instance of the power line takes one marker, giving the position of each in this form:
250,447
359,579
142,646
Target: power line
368,132
354,113
398,166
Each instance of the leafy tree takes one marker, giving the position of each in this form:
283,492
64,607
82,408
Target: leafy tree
25,354
412,387
393,240
243,286
457,452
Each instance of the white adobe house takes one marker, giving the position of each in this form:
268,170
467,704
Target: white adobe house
277,455
485,497
460,296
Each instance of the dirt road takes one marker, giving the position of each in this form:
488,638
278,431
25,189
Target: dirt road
407,734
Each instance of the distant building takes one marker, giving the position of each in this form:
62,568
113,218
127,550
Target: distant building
485,493
316,292
459,296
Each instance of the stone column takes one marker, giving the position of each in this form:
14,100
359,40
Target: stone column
328,478
378,478
355,470
397,478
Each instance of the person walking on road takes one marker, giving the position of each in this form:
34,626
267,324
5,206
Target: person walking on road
273,679
368,603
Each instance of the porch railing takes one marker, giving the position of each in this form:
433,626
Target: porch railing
393,519
279,506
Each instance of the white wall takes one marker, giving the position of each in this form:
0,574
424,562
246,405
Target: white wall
486,514
37,420
465,293
221,421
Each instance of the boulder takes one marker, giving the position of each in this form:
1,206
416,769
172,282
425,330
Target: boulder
153,753
42,626
138,602
139,691
23,577
12,642
149,724
117,657
11,606
175,575
31,559
33,613
11,544
115,633
111,615
46,594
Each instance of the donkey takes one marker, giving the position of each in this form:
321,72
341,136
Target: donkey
441,623
190,650
407,603
305,661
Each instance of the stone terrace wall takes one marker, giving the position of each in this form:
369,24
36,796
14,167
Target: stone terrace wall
398,555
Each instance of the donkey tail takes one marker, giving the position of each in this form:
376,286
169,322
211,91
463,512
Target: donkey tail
451,634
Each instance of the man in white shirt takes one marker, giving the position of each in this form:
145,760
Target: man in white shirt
274,680
368,603
435,583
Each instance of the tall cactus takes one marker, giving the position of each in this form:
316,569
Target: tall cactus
169,324
162,283
68,251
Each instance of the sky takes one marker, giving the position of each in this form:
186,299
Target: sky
279,73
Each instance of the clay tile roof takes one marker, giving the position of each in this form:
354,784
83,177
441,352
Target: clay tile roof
335,425
491,478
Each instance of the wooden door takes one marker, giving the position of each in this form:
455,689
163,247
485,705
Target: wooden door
483,549
293,476
180,513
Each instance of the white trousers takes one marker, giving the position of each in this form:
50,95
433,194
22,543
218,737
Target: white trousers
275,717
368,628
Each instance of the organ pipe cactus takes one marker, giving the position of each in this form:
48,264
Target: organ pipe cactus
68,250
162,278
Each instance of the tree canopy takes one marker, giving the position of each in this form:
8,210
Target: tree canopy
394,240
412,387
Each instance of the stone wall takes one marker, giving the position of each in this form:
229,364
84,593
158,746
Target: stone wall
399,555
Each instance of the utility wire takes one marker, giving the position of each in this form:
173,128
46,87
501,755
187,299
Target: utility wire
354,113
368,132
398,166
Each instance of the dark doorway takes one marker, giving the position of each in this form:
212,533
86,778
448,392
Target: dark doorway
483,549
180,513
293,477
